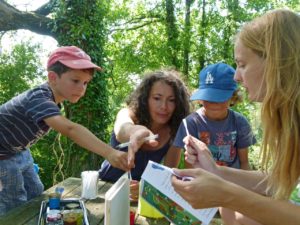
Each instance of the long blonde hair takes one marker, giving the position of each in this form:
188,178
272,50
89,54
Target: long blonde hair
275,36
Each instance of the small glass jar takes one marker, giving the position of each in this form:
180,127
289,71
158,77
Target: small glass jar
70,219
54,200
54,217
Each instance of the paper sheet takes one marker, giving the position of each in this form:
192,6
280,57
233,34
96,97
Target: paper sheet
117,204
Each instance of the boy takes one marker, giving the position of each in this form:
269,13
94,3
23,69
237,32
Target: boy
226,132
30,115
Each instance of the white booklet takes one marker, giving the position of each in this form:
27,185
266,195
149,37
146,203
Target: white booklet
157,190
117,206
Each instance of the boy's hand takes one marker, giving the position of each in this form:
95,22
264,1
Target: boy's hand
118,159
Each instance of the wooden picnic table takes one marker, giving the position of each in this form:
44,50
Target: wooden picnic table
28,213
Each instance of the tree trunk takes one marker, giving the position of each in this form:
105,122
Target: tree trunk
202,45
187,38
230,28
172,34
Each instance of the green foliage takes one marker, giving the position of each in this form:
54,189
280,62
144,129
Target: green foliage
126,38
137,42
139,35
18,69
44,154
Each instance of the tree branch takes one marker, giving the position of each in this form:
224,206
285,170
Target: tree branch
14,19
141,18
45,9
134,27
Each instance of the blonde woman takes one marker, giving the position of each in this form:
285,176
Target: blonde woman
267,54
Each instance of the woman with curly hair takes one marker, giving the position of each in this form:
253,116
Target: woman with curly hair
157,106
267,54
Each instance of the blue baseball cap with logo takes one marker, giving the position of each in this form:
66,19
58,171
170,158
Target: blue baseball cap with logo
216,83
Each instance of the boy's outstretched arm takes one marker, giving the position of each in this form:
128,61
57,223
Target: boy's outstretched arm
86,139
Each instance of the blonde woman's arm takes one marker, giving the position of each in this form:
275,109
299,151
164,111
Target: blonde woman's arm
199,156
208,190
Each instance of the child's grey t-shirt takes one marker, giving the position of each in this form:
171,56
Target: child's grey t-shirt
22,119
223,138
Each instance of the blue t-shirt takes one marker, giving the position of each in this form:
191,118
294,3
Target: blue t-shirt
22,119
109,173
223,138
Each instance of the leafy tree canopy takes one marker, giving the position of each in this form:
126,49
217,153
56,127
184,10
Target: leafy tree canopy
18,69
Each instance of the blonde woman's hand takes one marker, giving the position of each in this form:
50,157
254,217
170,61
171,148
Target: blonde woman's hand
206,190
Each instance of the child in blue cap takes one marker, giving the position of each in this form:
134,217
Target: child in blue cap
227,133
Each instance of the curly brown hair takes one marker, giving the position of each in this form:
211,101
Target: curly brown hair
138,100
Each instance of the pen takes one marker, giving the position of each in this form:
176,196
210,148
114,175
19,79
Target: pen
126,144
161,167
129,175
185,126
184,178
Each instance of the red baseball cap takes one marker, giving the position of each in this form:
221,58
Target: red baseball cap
73,57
